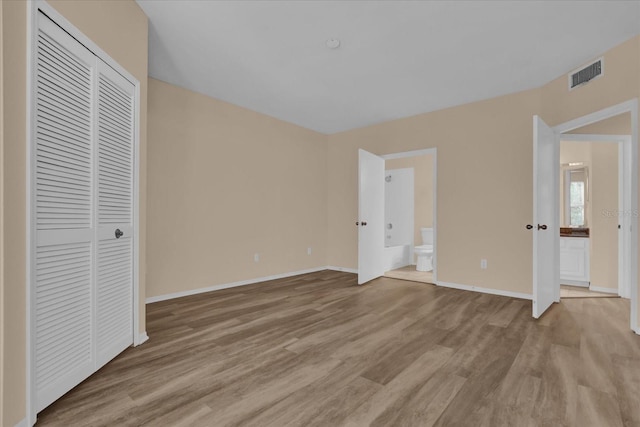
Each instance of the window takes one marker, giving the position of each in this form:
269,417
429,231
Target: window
576,196
576,203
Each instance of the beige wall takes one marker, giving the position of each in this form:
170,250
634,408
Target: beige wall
604,228
483,187
120,29
616,125
13,169
226,183
423,190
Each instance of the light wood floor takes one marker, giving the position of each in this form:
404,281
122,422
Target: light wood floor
567,291
410,273
318,350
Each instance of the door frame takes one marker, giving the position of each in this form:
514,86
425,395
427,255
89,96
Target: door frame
630,106
32,19
624,199
434,153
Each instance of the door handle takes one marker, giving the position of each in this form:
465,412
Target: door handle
119,233
542,227
529,226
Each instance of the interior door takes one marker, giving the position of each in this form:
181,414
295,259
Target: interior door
62,296
546,233
115,232
371,217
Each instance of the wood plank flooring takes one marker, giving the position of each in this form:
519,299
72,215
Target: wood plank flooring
410,273
318,350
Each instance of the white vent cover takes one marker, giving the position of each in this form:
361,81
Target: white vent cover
585,74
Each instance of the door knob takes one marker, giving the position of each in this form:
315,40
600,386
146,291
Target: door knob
529,226
119,233
364,223
542,227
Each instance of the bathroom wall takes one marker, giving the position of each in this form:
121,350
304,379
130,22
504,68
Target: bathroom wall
604,226
399,207
423,190
228,183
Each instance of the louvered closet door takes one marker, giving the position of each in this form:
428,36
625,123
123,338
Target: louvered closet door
114,276
62,296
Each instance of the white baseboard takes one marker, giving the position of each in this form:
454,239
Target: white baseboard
343,269
231,285
603,290
23,423
485,290
140,338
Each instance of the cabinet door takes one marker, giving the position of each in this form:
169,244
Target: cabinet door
114,276
62,296
574,259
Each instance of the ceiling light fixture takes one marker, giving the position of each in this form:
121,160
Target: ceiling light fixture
333,43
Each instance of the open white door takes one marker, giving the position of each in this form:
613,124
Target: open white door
546,234
371,217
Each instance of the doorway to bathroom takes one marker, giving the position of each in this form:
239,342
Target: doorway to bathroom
595,187
397,229
546,210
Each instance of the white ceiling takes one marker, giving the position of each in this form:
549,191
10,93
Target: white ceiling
396,58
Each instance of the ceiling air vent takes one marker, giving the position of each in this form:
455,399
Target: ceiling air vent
585,74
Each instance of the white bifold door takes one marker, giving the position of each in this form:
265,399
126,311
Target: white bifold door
83,198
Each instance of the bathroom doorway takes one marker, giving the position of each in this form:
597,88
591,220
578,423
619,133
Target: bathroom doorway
594,200
409,223
546,200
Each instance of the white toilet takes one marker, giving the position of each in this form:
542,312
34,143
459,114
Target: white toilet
424,252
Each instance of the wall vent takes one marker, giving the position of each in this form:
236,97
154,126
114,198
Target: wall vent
586,74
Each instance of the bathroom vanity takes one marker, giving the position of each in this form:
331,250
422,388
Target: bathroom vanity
574,256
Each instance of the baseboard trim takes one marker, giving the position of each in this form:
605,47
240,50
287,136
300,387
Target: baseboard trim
165,297
140,338
485,290
23,423
603,290
343,269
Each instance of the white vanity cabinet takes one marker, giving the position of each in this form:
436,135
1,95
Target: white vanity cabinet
574,261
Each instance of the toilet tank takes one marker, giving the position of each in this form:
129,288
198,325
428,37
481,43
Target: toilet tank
427,236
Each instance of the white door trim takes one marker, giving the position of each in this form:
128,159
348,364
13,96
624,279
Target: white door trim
434,153
139,337
630,106
624,201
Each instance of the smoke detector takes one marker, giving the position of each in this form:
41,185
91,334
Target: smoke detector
333,43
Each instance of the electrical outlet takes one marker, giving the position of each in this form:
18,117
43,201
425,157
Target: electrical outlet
256,257
483,264
309,250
